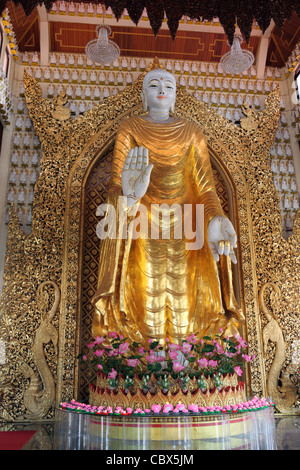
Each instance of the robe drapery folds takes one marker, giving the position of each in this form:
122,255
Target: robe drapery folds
153,286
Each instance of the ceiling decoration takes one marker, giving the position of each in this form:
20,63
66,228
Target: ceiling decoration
101,50
229,12
237,60
140,42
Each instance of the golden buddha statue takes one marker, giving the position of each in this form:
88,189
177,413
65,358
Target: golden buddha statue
164,286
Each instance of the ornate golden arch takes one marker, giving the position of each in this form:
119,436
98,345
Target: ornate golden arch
52,251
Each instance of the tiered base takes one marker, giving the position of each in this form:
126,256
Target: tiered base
254,430
231,392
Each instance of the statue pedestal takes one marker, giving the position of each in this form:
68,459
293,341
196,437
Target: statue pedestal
253,430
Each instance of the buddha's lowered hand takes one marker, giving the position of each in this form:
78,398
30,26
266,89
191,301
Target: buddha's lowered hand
222,238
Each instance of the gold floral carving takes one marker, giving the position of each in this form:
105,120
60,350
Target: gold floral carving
53,250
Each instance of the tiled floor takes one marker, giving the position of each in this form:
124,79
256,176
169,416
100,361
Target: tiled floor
287,431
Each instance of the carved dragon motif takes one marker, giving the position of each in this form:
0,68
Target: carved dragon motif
285,395
40,395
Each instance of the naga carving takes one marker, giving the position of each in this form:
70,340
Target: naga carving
285,394
40,395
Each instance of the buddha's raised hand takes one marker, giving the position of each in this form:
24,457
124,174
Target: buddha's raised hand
222,238
136,174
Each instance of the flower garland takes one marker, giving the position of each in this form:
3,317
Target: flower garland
255,404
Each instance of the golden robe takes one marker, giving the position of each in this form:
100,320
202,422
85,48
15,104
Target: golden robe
157,287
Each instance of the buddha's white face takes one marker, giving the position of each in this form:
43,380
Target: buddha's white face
160,91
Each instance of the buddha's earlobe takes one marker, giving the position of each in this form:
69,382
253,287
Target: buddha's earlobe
144,100
172,109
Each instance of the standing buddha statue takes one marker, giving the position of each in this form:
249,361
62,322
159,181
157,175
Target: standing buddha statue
158,287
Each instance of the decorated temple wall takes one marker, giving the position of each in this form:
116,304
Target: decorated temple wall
7,81
294,110
87,85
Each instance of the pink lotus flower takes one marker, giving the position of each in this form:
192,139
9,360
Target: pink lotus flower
99,339
156,408
123,348
160,358
186,347
228,354
100,367
84,358
173,354
246,357
168,407
180,406
113,352
177,367
112,374
218,348
238,371
150,358
241,341
192,339
132,362
203,362
212,363
99,352
155,357
112,334
193,408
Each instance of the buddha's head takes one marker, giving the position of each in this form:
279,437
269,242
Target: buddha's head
159,90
